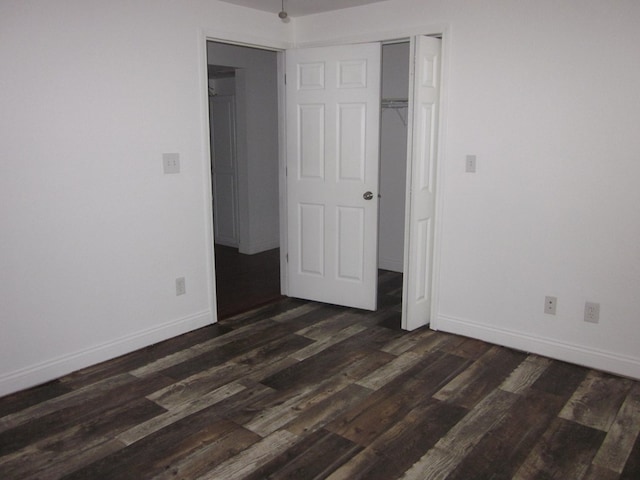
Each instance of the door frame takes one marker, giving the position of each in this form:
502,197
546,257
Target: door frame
443,31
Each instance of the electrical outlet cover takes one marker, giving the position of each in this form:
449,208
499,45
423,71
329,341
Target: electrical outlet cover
592,312
171,162
550,304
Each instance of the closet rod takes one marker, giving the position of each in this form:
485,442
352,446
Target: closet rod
395,103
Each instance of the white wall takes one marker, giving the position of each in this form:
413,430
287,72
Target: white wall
393,157
545,94
257,139
93,234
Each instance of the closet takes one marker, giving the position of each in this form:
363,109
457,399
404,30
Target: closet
393,155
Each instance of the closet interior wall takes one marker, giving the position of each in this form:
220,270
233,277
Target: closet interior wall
393,155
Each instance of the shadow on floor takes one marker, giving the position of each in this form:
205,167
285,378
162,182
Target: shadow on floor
244,282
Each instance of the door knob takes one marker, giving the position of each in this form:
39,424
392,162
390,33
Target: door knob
367,195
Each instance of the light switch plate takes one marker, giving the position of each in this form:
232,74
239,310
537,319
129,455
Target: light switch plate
171,162
181,286
470,164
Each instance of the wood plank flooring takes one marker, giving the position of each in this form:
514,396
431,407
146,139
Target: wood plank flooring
301,390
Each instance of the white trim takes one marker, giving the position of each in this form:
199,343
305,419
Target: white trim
440,176
282,177
206,177
245,40
258,247
568,352
388,36
390,264
224,243
65,364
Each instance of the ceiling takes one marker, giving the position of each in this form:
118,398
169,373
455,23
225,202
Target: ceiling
299,8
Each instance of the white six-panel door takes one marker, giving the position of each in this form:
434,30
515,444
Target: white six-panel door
421,170
224,170
333,117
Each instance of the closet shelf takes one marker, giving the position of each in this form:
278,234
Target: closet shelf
395,103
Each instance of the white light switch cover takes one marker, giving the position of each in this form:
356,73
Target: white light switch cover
470,164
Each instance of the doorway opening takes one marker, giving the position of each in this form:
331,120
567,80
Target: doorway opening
394,114
393,155
420,137
243,121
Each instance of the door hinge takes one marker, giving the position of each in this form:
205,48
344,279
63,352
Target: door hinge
285,78
287,255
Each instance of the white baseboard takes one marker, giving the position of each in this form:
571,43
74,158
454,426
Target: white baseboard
390,264
226,243
588,357
57,367
257,247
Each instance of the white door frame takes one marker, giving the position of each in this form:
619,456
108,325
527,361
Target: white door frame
442,31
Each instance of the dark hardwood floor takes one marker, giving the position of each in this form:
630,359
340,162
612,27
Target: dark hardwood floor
301,390
244,282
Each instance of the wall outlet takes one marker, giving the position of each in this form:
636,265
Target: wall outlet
181,286
550,305
171,162
591,312
470,164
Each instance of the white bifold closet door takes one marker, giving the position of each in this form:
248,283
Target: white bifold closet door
421,179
